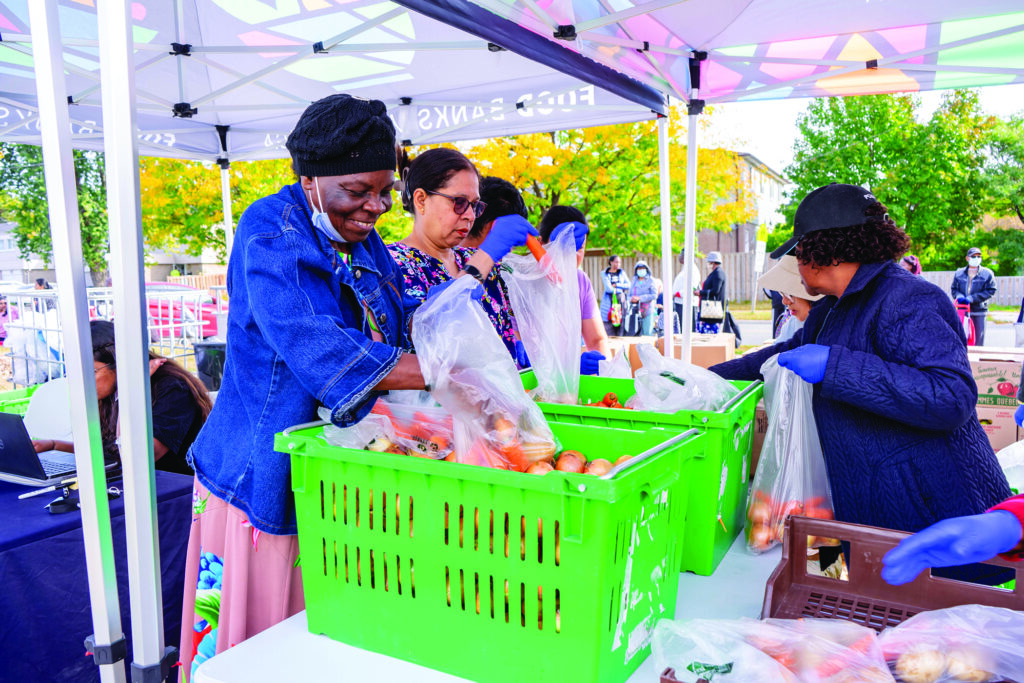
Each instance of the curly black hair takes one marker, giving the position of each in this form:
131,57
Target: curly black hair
502,199
875,240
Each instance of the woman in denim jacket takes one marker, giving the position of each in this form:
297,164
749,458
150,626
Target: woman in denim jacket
317,317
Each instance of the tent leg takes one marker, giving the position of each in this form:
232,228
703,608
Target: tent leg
130,318
225,199
690,222
58,168
666,233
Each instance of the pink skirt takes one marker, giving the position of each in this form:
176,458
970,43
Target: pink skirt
238,580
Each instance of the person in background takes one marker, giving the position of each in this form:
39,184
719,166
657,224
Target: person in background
441,191
894,398
555,220
616,287
778,307
317,319
784,277
713,289
959,541
679,290
41,283
180,405
642,293
7,315
910,264
974,285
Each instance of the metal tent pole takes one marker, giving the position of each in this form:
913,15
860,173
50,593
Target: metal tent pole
107,641
225,199
132,350
666,233
694,108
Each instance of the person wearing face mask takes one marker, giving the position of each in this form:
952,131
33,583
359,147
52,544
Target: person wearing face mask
613,298
894,398
642,294
974,285
555,220
442,192
784,277
317,318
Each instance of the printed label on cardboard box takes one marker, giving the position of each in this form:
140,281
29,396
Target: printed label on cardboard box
997,380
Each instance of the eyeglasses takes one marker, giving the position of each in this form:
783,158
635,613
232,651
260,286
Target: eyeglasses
102,367
461,204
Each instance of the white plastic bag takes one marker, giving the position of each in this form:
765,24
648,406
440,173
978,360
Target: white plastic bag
668,385
775,650
791,478
618,366
964,643
471,374
1011,459
417,423
370,433
546,300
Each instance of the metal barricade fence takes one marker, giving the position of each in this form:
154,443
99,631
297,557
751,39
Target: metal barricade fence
174,322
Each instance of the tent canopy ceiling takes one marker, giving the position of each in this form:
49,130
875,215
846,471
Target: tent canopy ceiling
254,66
774,49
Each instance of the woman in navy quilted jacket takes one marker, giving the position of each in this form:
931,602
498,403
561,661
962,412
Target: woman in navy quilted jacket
893,392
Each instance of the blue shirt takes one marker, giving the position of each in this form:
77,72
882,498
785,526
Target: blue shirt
298,336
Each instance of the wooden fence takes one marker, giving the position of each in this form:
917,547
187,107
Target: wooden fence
207,282
740,276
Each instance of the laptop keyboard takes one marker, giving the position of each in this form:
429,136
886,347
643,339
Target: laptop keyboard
52,468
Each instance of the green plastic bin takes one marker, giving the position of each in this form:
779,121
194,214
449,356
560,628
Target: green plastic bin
719,484
16,401
492,575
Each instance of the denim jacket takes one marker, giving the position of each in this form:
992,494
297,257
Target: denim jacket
297,337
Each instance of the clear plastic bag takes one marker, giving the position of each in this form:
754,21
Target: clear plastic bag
373,433
618,366
965,643
470,372
1011,460
776,650
791,478
418,423
546,300
668,385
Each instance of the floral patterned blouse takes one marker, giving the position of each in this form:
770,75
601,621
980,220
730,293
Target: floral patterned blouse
421,271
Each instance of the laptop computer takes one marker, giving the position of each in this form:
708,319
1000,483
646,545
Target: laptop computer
19,462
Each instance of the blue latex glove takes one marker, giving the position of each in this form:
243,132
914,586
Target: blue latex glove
579,232
506,233
1018,416
962,300
955,541
588,362
477,293
969,299
521,358
808,361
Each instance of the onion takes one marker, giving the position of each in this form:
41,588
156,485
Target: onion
567,462
542,467
598,467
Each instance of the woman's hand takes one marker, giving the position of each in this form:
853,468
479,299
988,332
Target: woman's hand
44,445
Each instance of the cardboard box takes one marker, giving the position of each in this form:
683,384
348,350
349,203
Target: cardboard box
998,424
760,427
998,375
705,349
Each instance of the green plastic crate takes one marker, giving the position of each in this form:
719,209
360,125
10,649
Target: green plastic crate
718,488
492,575
16,401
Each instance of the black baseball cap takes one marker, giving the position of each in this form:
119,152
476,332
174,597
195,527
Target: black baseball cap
974,250
831,206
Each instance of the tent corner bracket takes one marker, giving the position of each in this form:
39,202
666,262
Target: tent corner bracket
565,32
106,654
184,110
156,673
181,49
695,107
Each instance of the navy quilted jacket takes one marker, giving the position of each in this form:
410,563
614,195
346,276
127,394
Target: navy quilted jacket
895,412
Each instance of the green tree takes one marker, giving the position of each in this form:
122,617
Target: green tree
927,174
23,201
1004,172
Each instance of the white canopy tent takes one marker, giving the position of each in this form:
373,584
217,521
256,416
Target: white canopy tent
236,97
708,51
642,49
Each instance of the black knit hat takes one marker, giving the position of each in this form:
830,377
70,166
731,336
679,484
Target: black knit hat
341,135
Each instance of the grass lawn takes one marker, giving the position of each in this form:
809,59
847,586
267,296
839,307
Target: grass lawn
741,310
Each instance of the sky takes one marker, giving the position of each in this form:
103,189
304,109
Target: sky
767,129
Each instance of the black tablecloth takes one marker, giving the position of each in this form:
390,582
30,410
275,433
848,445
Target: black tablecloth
44,593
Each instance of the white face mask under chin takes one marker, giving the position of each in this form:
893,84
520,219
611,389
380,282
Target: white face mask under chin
321,220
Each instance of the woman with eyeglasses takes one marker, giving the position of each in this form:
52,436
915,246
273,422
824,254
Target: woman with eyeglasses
180,405
441,189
